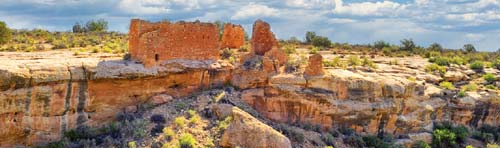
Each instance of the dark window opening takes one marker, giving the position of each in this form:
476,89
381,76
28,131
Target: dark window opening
157,57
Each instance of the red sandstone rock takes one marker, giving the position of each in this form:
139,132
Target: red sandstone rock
263,38
153,43
233,36
315,66
131,109
160,99
277,55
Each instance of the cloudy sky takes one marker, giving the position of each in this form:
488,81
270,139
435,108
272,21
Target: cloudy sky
452,23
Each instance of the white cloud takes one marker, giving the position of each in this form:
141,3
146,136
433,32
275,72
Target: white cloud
368,8
340,21
255,10
143,7
310,3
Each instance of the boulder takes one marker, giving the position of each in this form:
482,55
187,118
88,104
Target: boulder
455,76
248,132
160,99
315,66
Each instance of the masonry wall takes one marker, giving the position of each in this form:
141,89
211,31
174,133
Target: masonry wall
153,43
233,36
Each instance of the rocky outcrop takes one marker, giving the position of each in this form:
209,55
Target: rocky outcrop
233,36
246,131
315,66
263,38
41,99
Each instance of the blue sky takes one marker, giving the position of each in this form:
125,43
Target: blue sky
451,23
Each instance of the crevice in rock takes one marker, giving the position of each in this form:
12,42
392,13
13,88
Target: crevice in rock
82,98
67,102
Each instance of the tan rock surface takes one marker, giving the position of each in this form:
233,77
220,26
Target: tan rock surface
246,131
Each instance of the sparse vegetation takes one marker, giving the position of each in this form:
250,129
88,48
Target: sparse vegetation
477,65
187,141
447,85
490,78
435,68
5,33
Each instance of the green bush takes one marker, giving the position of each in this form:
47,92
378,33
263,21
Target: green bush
491,87
435,68
314,50
441,61
420,144
490,78
168,133
470,87
180,122
354,61
320,41
369,63
374,141
461,93
5,33
290,48
443,138
447,85
477,65
187,141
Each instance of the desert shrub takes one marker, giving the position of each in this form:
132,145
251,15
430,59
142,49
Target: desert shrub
243,48
374,141
435,68
354,61
458,60
180,105
447,85
5,33
490,78
412,79
99,25
168,133
354,141
444,138
469,87
487,134
180,122
441,61
328,139
290,48
194,118
461,93
187,141
496,64
293,64
227,53
489,86
477,65
420,144
335,62
158,119
222,125
131,144
492,145
447,135
369,63
314,50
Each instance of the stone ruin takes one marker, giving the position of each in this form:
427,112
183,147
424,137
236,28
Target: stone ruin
263,38
153,43
233,36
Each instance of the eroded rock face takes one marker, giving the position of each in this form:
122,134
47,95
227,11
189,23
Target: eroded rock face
41,101
153,43
246,131
315,66
263,38
233,36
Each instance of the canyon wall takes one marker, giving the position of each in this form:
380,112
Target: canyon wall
41,99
